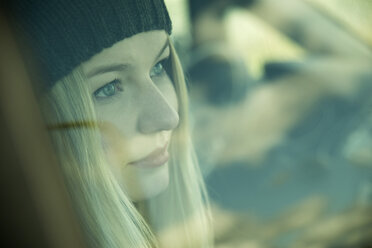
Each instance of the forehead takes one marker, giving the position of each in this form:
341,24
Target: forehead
140,48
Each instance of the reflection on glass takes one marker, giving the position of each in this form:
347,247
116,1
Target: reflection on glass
288,160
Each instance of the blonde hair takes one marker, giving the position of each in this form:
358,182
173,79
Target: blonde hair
178,217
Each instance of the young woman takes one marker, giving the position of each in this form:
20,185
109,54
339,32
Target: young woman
115,102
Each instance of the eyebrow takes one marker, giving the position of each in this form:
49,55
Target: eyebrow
121,67
108,68
165,46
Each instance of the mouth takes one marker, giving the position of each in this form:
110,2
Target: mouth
155,159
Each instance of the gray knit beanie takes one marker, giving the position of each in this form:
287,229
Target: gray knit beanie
65,33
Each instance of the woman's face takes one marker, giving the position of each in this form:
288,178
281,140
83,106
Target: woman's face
137,107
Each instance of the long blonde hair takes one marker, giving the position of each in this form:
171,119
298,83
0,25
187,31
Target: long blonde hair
178,217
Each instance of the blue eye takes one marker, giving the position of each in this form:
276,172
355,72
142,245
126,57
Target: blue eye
158,69
109,89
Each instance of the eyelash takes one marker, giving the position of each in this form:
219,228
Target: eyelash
116,84
164,65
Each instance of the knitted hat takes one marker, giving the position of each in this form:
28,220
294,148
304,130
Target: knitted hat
65,33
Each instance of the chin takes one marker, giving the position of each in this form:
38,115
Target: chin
150,183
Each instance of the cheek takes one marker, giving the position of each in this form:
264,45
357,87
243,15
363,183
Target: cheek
138,183
114,144
168,90
119,115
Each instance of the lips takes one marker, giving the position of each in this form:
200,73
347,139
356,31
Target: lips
155,159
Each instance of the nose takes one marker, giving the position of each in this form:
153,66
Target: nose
157,113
